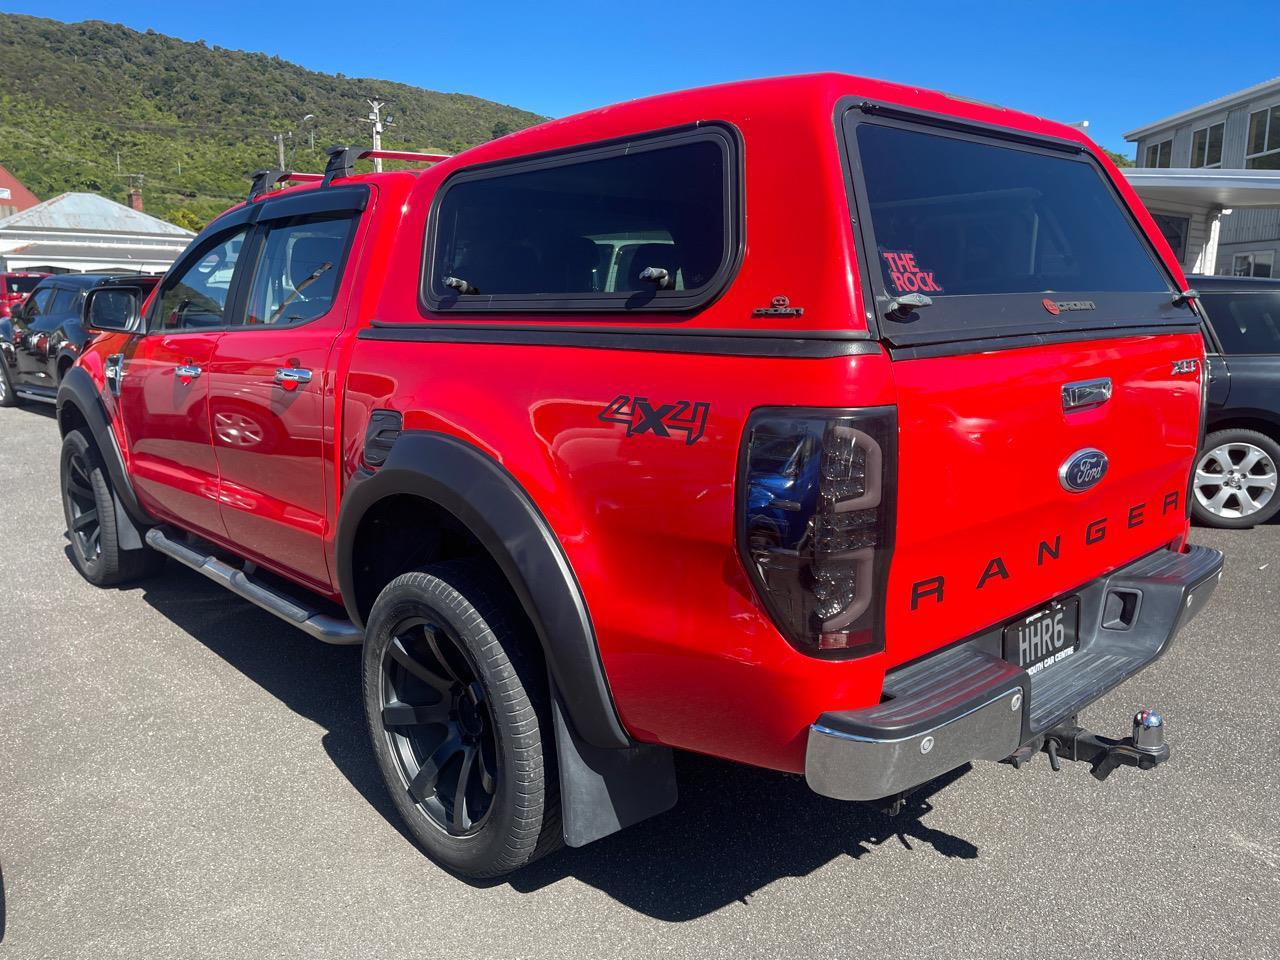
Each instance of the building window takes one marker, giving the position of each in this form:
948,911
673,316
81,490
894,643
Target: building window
1159,154
1263,149
1260,263
1175,230
1206,146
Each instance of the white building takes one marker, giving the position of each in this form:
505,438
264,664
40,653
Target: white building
86,233
1210,176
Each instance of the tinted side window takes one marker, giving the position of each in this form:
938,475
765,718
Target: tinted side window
299,270
37,303
64,301
587,230
1245,322
198,297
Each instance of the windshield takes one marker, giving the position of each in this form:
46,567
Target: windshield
20,285
959,217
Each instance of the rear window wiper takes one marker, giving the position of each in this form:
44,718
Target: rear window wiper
902,307
462,286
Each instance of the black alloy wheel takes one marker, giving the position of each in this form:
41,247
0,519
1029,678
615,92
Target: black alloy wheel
455,695
438,726
81,506
88,504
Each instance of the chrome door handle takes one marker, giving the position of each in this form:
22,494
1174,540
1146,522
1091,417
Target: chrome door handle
112,371
292,375
187,371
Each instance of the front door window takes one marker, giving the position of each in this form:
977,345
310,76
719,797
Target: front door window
197,300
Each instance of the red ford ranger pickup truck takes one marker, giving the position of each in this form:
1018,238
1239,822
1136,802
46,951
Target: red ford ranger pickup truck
823,424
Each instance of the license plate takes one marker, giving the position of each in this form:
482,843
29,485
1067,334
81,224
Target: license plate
1045,637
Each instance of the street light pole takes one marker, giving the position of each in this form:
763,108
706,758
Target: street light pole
280,137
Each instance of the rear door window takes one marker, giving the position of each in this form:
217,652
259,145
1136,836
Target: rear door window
298,271
1003,237
650,224
64,301
1246,323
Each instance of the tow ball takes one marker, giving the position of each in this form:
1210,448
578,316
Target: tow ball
1144,748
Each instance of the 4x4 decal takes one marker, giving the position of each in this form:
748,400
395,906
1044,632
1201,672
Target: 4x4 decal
641,416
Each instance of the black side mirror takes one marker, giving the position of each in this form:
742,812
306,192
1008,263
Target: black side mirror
113,309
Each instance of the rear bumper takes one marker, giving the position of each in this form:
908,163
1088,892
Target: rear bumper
968,703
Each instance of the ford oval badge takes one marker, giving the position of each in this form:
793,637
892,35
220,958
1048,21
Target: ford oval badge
1083,469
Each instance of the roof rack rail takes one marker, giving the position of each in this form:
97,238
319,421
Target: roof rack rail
265,180
342,159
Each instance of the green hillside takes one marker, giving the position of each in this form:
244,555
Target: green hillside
194,120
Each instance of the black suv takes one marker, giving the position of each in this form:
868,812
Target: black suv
43,337
1235,482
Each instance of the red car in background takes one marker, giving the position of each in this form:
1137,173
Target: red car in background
14,288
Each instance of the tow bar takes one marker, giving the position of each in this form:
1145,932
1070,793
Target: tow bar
1144,748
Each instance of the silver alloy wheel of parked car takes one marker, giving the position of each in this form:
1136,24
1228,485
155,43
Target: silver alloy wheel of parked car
1235,480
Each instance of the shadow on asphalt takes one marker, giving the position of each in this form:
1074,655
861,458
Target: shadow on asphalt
2,906
46,410
735,830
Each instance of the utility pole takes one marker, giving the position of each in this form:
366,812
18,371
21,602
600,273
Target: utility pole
280,138
375,119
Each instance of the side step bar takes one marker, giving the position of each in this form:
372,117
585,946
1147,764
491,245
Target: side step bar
35,393
321,626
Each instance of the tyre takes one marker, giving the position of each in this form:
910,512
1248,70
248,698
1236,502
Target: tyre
89,506
7,397
458,717
1235,481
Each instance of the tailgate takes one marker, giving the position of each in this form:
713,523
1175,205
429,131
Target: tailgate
987,529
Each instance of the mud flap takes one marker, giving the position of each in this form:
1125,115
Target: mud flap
127,533
604,789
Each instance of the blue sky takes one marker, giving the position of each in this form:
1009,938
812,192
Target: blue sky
1118,65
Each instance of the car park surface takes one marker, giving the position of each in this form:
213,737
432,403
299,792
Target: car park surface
183,775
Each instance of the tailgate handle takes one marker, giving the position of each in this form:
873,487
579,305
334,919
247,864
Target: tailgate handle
1085,393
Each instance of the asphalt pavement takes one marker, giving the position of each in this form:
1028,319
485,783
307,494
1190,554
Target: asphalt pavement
182,775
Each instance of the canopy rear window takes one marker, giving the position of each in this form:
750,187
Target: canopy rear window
1003,237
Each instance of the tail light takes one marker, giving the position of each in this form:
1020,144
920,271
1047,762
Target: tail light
815,526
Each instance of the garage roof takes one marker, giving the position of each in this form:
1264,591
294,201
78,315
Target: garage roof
1220,188
89,213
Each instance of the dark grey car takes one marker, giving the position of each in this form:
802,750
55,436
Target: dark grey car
1235,480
